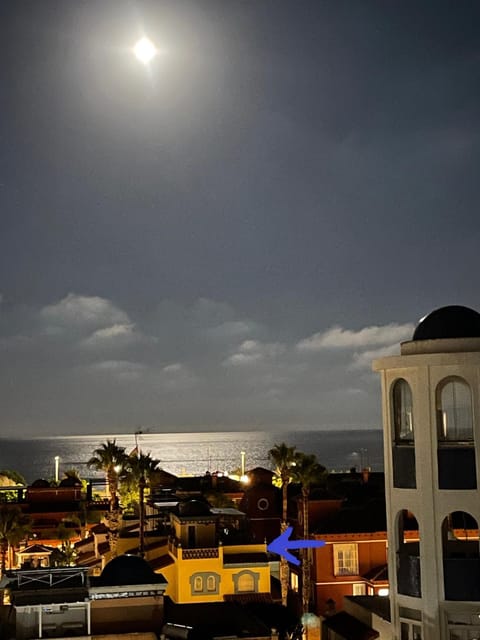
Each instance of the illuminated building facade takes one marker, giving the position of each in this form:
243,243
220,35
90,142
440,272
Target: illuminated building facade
431,418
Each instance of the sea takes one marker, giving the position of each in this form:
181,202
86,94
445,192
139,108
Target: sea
194,453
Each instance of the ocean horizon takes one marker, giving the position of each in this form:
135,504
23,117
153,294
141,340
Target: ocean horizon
194,453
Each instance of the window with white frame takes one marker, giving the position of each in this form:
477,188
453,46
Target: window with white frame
454,410
345,558
359,589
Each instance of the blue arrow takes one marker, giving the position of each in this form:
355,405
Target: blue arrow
282,543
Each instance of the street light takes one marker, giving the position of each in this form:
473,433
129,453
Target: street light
145,50
57,460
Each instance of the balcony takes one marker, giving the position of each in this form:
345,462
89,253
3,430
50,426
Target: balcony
194,553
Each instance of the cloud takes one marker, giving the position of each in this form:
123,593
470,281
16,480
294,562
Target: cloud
339,338
364,360
121,369
83,312
232,329
116,335
173,368
176,377
253,351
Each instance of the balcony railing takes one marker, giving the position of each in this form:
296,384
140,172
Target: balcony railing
199,554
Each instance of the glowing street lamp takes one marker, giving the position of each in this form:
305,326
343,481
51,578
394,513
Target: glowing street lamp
145,50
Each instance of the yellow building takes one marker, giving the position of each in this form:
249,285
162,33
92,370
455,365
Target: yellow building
202,569
198,566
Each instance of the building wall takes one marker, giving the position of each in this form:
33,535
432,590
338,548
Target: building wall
127,614
224,580
371,553
423,369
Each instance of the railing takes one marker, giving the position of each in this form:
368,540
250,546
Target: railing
199,554
50,577
185,553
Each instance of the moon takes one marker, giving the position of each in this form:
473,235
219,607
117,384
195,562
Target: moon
145,50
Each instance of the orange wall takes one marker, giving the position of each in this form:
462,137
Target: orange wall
372,552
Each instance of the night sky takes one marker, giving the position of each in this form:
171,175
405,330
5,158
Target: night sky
224,239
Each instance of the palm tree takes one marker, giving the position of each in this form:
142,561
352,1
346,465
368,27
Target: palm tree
283,457
139,470
141,465
308,472
110,458
66,554
14,526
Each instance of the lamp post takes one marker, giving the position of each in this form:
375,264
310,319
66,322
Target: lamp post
57,462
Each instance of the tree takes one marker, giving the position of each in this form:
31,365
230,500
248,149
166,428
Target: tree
308,472
135,468
14,526
109,458
11,478
66,554
283,457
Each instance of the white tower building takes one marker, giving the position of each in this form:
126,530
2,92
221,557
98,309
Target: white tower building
431,418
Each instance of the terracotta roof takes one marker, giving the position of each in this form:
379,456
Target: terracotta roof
247,598
349,628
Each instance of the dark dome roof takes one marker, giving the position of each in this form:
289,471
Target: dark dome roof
449,322
194,508
127,569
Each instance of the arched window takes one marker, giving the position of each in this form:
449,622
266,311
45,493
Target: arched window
198,583
246,581
211,583
454,411
402,411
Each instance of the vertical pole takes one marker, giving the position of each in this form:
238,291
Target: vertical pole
57,460
141,486
89,618
242,453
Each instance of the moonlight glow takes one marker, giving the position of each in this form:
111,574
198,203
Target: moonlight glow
145,50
